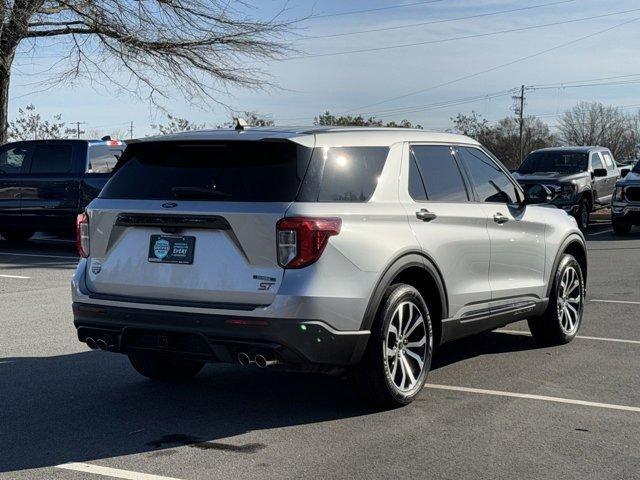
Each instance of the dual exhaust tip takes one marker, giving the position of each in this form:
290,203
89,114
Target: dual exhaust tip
260,360
97,344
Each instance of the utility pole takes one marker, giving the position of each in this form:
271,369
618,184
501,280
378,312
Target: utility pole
520,112
78,131
131,130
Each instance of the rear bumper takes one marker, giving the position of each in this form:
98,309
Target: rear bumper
214,338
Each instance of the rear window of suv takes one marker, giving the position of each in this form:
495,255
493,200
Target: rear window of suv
214,171
262,171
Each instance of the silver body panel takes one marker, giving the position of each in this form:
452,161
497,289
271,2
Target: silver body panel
483,265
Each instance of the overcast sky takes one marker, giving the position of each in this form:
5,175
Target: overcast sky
411,77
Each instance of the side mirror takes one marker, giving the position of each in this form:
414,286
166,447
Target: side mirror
536,194
600,172
624,172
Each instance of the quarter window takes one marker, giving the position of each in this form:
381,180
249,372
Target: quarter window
434,175
491,184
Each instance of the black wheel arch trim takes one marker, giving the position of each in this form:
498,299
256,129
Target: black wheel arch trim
572,238
400,263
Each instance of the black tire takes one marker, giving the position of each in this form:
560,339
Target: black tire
582,215
17,236
620,228
164,367
551,328
375,374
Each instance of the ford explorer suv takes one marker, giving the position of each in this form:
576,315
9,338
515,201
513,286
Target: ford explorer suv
319,249
625,206
581,178
44,184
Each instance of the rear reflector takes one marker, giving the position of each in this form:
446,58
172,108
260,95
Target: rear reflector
302,240
82,235
247,322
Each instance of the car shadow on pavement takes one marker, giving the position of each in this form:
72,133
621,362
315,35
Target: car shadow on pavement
487,343
91,405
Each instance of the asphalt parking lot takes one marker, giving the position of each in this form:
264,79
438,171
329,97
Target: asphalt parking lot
496,406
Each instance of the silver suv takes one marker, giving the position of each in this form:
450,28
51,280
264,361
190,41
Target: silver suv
319,248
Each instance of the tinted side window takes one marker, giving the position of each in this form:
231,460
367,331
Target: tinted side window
52,159
595,161
489,181
349,174
12,159
436,168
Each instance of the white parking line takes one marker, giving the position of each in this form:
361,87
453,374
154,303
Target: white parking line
111,472
13,276
528,396
623,302
37,255
583,337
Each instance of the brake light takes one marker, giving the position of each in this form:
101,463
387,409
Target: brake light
113,143
301,240
82,235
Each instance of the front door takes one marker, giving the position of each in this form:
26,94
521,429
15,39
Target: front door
516,272
600,184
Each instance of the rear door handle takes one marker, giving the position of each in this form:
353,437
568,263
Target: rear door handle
425,215
500,218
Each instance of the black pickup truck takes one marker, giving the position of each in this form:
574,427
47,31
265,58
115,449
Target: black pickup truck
581,178
44,184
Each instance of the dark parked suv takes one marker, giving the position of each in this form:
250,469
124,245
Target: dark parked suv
44,184
582,178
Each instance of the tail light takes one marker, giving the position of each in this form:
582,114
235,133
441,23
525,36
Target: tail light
301,241
82,235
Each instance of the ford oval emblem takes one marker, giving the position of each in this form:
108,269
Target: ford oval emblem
169,205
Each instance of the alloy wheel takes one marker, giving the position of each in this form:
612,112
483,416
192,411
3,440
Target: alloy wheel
406,346
569,301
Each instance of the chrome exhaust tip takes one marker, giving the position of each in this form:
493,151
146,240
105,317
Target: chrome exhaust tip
91,343
264,362
101,344
244,359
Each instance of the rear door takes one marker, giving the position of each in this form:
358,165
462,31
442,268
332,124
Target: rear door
14,160
450,228
517,234
50,189
194,224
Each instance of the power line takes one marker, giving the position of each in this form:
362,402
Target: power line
462,37
353,12
497,67
433,22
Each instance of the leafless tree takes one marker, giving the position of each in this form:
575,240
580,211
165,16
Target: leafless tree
596,124
177,125
503,138
29,125
150,48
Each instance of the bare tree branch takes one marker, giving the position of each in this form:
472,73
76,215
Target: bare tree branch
152,49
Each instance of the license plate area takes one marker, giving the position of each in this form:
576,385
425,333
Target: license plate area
171,249
173,342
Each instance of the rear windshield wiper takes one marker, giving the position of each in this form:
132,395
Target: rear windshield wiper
197,192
